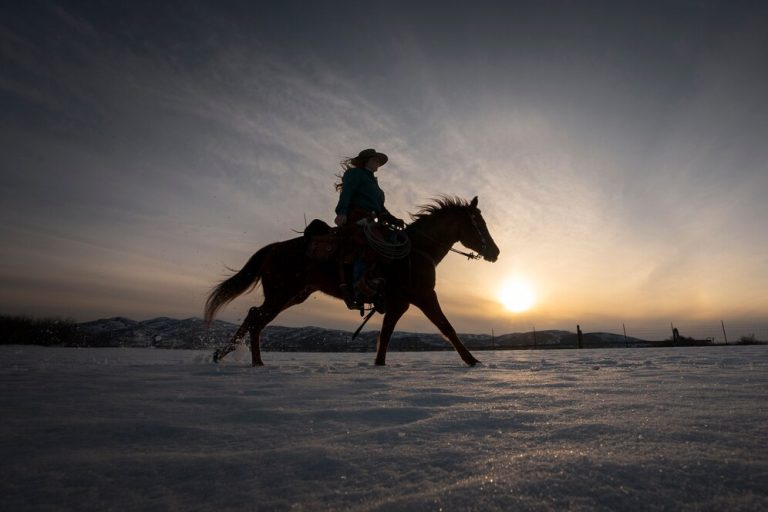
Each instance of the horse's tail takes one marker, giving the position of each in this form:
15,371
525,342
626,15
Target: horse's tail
243,281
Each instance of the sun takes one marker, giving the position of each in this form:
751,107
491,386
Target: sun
517,295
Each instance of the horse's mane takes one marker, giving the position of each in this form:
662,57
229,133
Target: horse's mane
439,204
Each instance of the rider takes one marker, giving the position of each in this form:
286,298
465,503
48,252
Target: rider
360,198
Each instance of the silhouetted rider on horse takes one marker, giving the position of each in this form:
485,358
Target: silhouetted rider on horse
362,200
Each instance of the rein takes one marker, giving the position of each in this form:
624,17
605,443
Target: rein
469,255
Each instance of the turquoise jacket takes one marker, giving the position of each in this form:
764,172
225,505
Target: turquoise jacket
360,188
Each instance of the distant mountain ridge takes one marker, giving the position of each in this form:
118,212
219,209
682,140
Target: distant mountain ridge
193,333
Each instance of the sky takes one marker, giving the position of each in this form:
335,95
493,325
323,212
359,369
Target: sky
618,150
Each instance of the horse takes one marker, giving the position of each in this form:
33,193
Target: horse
288,276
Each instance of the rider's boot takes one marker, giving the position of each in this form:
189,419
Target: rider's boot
350,297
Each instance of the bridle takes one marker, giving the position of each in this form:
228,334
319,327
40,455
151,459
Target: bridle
483,241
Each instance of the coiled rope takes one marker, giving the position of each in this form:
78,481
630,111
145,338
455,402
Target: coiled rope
397,247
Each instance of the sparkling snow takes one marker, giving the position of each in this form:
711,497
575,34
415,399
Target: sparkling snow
614,429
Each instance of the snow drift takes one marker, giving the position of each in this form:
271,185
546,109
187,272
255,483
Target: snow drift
618,429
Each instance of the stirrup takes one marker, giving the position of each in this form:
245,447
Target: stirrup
350,299
354,304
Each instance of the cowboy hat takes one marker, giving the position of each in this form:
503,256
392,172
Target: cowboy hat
369,153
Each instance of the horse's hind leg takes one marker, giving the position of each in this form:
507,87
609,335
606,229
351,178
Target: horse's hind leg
244,329
266,313
262,316
255,321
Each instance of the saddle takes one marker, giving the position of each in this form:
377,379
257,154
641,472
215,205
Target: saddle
322,241
346,244
325,243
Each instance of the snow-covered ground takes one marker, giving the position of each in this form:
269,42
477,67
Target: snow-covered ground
614,429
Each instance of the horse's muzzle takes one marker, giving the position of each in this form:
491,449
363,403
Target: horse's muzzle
491,256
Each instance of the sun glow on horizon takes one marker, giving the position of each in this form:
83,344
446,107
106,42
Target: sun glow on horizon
517,295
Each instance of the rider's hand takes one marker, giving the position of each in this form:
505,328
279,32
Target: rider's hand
398,223
340,220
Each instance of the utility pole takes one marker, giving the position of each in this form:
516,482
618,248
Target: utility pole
579,337
626,342
534,336
724,334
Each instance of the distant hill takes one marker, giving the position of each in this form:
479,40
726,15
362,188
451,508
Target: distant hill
192,333
161,332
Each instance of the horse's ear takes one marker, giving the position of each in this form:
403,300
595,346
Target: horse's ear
473,204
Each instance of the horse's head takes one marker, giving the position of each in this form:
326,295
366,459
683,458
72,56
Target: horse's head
450,220
473,233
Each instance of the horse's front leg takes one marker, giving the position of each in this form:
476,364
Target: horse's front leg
393,314
431,308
